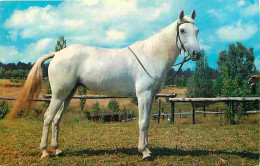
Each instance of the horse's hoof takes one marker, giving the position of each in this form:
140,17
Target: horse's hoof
45,154
58,152
147,157
147,154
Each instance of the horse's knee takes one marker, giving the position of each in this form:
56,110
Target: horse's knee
47,121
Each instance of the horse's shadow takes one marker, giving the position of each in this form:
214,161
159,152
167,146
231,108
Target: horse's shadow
160,151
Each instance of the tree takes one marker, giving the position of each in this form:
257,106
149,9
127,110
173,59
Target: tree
235,67
231,87
2,72
61,43
113,105
238,60
217,85
96,108
200,84
82,91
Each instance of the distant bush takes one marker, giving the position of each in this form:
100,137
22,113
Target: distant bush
113,105
96,107
134,100
4,108
82,91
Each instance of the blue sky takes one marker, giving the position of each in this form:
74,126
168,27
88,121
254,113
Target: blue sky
29,29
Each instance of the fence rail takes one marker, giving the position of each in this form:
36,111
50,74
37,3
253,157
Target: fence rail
48,97
222,99
203,100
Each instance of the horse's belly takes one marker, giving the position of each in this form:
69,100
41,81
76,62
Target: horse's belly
111,86
109,80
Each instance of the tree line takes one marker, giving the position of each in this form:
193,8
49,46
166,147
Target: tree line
235,66
19,70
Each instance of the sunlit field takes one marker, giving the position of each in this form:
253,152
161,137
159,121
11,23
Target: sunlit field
92,143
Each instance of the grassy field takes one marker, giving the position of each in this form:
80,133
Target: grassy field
84,142
91,143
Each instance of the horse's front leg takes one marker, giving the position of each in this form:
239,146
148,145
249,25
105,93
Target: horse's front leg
144,105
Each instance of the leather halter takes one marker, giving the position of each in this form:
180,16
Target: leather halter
178,34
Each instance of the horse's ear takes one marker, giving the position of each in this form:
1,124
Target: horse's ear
193,15
181,15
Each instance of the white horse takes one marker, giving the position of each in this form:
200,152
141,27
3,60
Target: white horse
114,72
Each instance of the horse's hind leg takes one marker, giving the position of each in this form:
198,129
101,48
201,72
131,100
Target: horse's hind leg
48,117
56,122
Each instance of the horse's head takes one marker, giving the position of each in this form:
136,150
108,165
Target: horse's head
187,35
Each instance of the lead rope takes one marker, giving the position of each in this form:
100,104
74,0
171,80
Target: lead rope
181,64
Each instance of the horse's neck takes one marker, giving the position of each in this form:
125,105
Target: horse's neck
162,47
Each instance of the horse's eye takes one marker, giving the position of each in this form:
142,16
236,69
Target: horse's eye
182,31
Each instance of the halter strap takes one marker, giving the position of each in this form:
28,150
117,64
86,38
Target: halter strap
181,64
178,34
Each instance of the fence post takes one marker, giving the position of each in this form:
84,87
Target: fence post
220,116
172,112
159,111
125,114
180,113
233,113
163,113
193,113
204,109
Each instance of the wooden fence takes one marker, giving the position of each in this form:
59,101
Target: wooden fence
231,100
172,100
109,117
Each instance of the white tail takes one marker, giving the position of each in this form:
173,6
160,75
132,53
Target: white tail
31,88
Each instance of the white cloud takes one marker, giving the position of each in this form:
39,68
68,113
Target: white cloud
251,10
237,32
241,3
35,50
8,54
91,2
217,13
203,45
88,21
31,53
42,44
104,23
35,21
115,35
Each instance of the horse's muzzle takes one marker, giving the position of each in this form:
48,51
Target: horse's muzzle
196,55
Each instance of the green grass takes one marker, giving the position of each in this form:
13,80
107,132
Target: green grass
91,143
